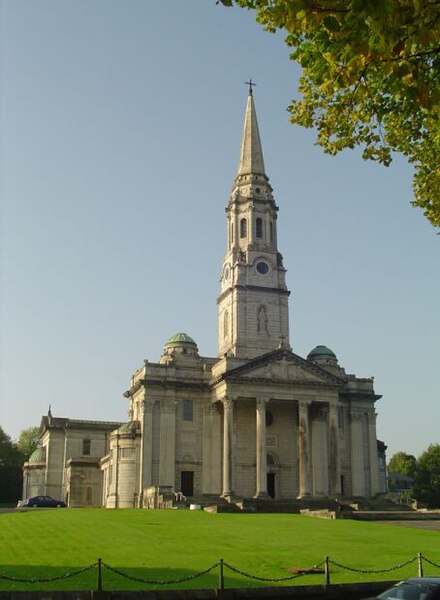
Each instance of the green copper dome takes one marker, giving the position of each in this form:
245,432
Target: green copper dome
38,455
321,352
180,339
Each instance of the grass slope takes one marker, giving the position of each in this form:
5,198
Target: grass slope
172,544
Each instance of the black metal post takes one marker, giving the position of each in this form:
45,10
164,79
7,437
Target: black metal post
221,578
327,571
420,561
99,574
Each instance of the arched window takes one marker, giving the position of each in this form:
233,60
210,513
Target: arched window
271,462
271,231
259,228
226,324
243,228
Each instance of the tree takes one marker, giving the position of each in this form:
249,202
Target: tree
28,441
10,469
403,463
427,479
371,78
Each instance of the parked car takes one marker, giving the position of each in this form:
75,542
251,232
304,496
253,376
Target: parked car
41,502
415,588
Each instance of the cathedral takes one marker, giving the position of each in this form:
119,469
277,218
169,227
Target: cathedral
257,421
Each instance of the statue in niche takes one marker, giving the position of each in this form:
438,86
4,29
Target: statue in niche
262,320
280,260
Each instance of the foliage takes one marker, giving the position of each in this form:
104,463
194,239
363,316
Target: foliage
427,480
160,544
425,471
10,469
28,441
403,463
371,78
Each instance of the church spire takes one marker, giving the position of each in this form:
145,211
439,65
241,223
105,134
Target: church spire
251,154
253,301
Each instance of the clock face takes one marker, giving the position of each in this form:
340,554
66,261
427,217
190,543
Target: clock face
262,267
226,273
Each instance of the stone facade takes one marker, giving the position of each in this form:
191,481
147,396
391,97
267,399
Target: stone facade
67,465
256,421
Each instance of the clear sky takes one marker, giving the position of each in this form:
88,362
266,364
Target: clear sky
120,131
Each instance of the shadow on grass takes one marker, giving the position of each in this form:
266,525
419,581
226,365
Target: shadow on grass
76,578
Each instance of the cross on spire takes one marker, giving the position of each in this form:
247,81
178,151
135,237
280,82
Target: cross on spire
250,83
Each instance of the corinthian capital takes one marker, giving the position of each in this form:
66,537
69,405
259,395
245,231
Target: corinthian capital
262,403
227,402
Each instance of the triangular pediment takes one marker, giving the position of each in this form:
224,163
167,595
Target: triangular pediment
282,366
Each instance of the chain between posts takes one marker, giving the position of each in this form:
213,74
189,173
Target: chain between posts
222,565
47,579
160,581
273,579
431,562
388,570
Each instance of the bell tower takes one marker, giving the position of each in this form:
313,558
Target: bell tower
253,302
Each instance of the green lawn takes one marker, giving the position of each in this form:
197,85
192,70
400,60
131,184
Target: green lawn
165,545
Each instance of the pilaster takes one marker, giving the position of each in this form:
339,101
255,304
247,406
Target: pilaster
211,469
167,442
357,454
374,462
146,413
334,451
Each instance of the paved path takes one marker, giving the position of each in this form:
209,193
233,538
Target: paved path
429,525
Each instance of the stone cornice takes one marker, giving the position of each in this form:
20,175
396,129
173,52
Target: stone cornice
254,288
62,423
359,395
167,384
304,383
276,355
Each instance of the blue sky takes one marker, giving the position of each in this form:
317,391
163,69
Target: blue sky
120,132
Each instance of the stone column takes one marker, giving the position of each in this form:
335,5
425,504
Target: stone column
334,452
228,454
320,453
261,448
304,449
357,454
167,459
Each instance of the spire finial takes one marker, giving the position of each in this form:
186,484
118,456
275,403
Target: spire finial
250,83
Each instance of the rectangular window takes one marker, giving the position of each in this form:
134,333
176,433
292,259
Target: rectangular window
187,410
86,447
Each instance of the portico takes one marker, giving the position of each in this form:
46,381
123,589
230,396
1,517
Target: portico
254,426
